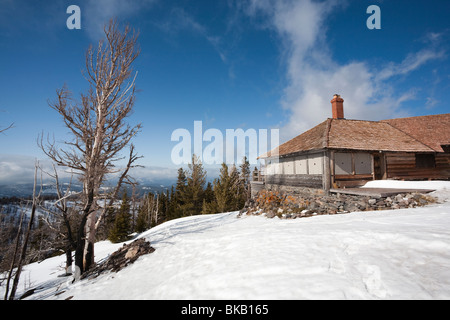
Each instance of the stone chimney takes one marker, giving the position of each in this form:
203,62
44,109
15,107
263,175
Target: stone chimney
337,107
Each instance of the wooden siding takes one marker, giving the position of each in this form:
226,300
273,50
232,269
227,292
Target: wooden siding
403,166
296,180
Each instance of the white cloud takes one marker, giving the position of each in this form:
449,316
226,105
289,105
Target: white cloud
18,169
412,62
154,173
313,76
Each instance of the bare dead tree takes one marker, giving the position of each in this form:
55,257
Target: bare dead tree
63,213
14,256
25,241
98,127
123,179
62,205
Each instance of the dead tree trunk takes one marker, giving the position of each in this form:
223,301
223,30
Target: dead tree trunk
16,250
99,128
26,236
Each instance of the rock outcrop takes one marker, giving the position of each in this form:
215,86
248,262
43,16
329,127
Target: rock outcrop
121,258
274,203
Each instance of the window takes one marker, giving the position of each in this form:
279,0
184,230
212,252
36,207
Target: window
343,163
352,163
425,160
363,163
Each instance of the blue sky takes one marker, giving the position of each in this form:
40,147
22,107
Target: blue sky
230,64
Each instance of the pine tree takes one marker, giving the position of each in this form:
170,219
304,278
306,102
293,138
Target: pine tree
172,205
209,193
222,189
195,186
122,224
181,183
237,192
141,220
205,208
245,177
179,196
189,191
163,206
209,200
229,190
108,222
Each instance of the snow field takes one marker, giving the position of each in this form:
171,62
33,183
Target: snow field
397,254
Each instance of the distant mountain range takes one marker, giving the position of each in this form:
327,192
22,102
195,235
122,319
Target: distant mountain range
26,189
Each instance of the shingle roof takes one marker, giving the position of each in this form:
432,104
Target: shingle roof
371,135
417,134
432,130
315,138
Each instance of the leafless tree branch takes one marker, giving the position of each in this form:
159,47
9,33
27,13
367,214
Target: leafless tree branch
97,124
9,127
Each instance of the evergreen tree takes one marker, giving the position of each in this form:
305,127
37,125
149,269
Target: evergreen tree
209,193
181,184
122,224
229,190
172,205
141,220
179,196
195,186
222,189
189,190
108,223
163,206
237,192
209,200
245,177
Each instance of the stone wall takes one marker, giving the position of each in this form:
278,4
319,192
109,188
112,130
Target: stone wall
303,203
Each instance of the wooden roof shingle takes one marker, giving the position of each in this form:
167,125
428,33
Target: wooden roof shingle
415,134
432,130
371,135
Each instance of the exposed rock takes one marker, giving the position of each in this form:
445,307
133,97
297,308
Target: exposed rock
131,253
291,206
27,293
270,214
119,259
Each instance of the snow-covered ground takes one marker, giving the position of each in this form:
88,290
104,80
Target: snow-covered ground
398,254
